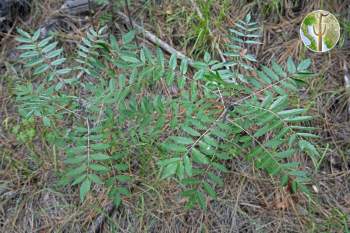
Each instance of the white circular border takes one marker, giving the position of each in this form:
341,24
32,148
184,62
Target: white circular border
300,31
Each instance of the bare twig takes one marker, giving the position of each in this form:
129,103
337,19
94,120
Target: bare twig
80,6
154,39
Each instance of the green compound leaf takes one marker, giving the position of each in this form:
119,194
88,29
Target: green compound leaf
84,189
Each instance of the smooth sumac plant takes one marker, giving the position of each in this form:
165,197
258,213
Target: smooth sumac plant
115,101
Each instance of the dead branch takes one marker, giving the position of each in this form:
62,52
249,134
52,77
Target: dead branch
154,39
75,7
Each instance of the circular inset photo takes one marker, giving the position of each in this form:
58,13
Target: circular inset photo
320,31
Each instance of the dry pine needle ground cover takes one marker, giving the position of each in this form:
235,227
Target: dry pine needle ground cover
250,201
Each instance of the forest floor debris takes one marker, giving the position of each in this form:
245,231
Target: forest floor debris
250,201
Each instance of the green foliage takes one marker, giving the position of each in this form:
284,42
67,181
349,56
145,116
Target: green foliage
201,29
272,7
42,56
243,37
25,131
328,42
310,20
110,105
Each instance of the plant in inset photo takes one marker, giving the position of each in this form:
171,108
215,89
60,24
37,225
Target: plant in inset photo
320,31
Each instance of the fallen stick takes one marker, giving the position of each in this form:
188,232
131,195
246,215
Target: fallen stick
154,39
75,7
